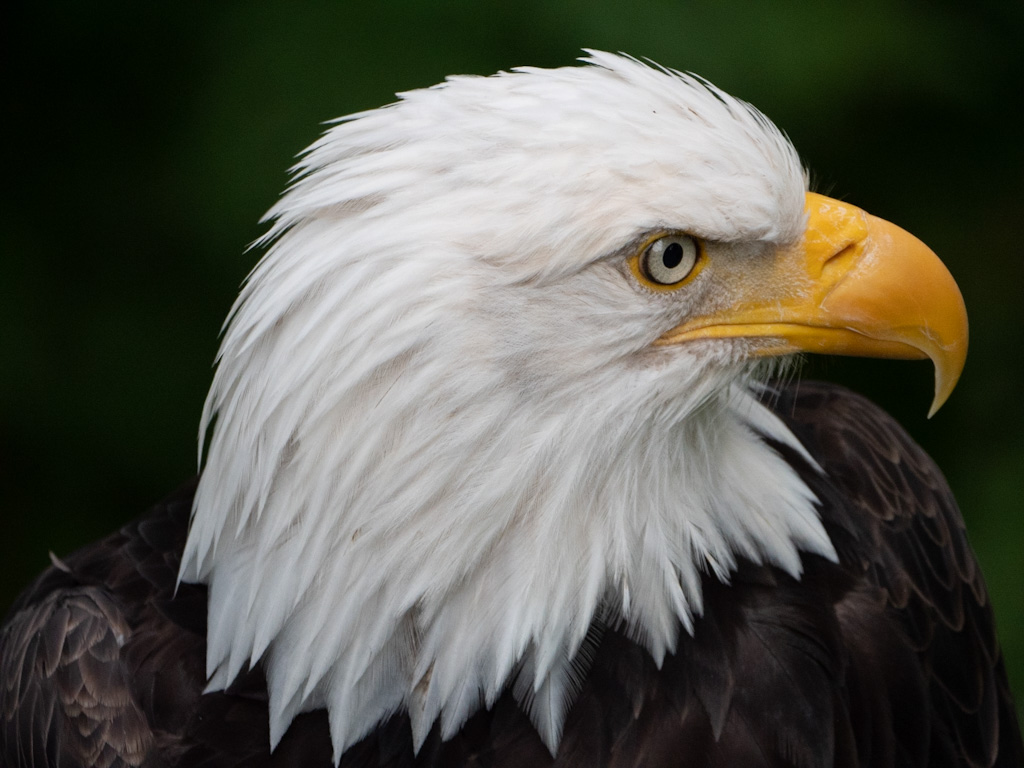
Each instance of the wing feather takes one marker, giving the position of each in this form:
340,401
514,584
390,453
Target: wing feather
66,688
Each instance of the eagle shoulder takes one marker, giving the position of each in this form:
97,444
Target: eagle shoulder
90,652
925,681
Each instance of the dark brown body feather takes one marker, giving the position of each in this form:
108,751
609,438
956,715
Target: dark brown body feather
887,659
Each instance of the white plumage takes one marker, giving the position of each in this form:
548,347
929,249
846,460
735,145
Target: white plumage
442,443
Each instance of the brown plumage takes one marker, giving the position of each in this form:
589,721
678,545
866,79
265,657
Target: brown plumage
888,658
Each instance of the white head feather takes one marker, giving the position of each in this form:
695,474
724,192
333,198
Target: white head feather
442,442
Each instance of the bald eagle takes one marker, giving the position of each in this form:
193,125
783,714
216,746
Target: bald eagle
503,467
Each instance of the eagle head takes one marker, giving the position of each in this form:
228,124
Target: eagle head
496,384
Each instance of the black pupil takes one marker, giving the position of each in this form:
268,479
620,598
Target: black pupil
672,257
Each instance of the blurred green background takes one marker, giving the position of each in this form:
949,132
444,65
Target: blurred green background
143,141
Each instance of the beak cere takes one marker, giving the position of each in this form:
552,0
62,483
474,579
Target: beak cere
854,285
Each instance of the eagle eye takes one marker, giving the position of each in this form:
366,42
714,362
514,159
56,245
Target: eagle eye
670,259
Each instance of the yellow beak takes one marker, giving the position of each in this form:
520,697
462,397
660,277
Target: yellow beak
854,285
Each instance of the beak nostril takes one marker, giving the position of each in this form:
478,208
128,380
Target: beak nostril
839,263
